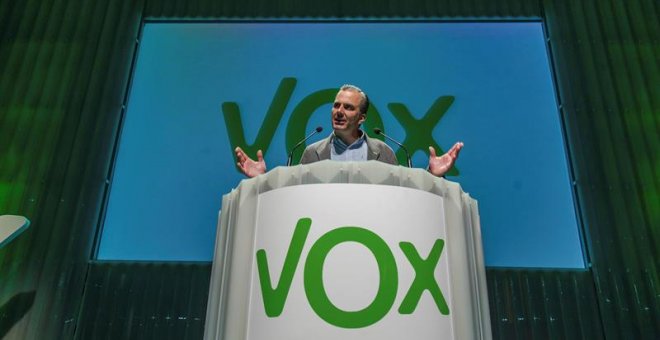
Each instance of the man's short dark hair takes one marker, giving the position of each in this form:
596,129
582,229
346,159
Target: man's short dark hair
364,103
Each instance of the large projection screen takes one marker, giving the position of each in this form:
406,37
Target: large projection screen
488,84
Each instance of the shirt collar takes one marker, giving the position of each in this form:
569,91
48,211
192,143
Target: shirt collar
340,146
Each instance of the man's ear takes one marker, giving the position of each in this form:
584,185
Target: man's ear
363,117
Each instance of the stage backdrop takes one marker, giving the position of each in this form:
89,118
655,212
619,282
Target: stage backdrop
200,89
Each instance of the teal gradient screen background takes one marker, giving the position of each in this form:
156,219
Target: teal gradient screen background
175,161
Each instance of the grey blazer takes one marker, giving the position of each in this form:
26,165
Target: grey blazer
376,150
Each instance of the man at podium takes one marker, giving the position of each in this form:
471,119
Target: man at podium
348,142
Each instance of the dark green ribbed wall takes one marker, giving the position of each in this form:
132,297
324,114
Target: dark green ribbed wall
64,69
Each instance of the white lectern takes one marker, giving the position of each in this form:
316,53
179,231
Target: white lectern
348,250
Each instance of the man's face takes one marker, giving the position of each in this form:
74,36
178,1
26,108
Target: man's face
346,116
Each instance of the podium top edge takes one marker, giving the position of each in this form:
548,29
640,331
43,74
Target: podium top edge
352,172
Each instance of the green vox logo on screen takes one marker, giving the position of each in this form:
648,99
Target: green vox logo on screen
275,297
419,132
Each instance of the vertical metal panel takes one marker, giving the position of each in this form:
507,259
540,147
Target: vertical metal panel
543,304
144,300
53,56
608,55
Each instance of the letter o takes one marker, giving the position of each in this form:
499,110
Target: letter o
315,290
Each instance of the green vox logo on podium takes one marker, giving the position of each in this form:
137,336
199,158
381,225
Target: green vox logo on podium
275,296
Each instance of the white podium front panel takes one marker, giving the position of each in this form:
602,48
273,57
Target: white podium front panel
348,250
338,266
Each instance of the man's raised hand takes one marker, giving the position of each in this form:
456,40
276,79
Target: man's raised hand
247,165
439,165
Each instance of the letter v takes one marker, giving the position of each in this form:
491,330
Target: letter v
234,124
274,298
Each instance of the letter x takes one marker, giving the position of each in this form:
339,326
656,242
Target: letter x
419,132
424,278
